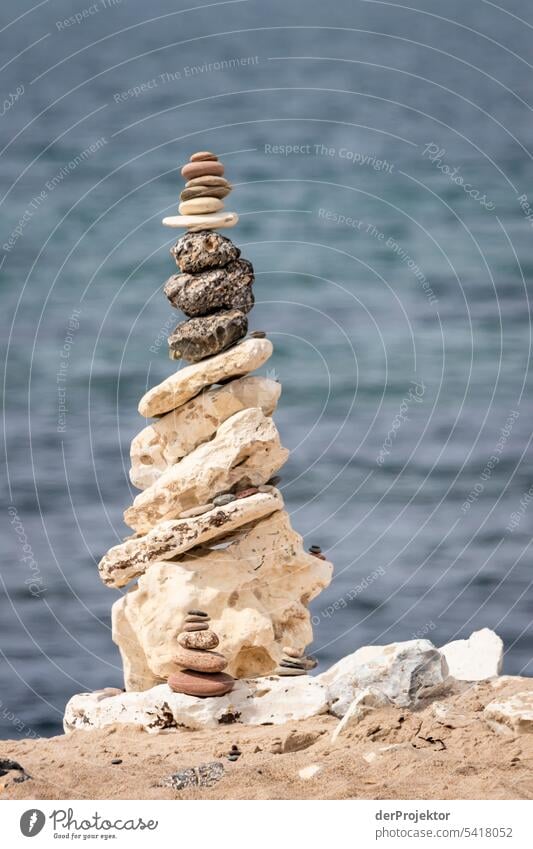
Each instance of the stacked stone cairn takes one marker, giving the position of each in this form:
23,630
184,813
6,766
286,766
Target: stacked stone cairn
202,669
212,541
215,297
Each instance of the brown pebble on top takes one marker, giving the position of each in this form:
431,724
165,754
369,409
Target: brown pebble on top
200,169
197,613
257,334
202,155
207,180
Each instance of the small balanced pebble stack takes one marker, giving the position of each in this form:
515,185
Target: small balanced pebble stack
215,296
294,662
201,672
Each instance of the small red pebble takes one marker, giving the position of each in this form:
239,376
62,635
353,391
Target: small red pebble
244,493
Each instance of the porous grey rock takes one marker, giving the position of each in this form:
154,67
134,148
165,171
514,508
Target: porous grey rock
245,451
167,539
198,338
189,381
403,672
204,775
214,290
204,249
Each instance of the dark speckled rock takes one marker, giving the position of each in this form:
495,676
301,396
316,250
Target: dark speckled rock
204,249
198,338
211,291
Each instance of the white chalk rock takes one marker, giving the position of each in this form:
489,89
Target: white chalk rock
255,587
245,451
513,714
204,221
169,439
189,381
308,772
475,659
402,671
167,539
365,702
271,701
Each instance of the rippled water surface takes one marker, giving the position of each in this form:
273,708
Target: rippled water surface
381,157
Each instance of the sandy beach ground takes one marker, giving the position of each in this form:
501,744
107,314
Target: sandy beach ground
444,750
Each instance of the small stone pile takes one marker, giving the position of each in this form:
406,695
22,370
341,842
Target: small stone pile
214,288
202,668
294,662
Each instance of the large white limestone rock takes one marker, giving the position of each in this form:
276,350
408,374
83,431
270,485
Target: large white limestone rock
189,381
172,437
511,715
167,539
475,659
401,671
255,585
271,701
245,451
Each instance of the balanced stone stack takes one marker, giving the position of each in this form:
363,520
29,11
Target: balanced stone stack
294,662
214,288
211,540
202,669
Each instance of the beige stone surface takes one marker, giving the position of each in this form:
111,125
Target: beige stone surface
169,439
184,384
255,585
511,715
167,539
245,451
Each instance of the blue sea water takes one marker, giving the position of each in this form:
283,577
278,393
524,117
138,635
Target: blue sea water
382,160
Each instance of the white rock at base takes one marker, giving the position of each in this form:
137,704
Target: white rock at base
187,382
172,437
475,659
245,451
364,703
255,587
402,671
513,714
167,539
263,701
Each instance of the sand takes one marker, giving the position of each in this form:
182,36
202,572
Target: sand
443,750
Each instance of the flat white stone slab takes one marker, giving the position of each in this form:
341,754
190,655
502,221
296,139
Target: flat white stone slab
208,221
271,701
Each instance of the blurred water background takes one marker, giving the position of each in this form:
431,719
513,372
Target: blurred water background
396,295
